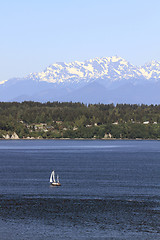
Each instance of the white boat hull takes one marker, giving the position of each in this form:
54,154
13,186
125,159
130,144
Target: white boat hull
55,184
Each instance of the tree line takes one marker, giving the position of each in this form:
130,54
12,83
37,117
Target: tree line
78,120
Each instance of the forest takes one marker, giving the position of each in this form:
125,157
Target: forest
35,120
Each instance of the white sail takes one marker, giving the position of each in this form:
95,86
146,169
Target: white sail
51,179
53,174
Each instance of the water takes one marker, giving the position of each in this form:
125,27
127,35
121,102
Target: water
110,190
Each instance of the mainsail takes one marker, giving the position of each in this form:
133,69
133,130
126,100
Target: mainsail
52,177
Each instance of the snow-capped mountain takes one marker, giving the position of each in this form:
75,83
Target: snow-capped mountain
113,68
151,70
120,80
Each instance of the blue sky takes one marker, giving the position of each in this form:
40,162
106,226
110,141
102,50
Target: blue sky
36,33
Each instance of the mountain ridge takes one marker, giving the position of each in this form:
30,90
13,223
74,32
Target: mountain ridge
114,68
74,81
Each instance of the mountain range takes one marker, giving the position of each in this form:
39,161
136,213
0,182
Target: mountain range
98,80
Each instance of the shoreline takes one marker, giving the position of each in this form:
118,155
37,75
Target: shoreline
104,139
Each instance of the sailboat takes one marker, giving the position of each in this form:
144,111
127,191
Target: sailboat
53,181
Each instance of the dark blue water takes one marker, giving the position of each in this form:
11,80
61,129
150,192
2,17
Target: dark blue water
110,190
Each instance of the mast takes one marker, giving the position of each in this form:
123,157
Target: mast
53,179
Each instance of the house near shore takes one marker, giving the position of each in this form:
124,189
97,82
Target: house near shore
6,136
59,122
115,123
107,135
146,122
14,136
88,126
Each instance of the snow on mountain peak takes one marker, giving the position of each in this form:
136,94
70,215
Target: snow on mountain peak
151,70
112,68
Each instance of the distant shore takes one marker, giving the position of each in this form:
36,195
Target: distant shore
33,120
104,139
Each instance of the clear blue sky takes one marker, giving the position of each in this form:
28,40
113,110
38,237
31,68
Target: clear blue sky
37,33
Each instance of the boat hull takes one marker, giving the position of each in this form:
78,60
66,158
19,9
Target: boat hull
55,184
